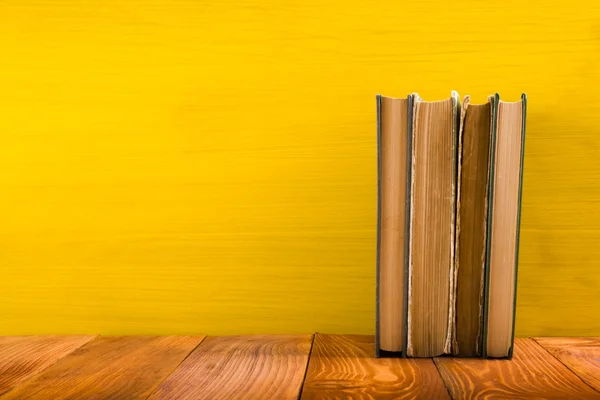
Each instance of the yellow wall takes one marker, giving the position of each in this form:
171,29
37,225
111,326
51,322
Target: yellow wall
209,166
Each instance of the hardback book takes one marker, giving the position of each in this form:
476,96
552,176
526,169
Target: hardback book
393,144
448,221
432,226
504,216
471,225
491,149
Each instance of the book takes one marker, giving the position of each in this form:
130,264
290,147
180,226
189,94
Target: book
432,226
471,225
393,143
504,214
448,222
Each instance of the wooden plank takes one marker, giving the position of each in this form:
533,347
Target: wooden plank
241,367
532,373
580,355
346,367
109,368
21,357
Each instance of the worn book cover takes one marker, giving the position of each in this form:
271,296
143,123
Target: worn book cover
504,217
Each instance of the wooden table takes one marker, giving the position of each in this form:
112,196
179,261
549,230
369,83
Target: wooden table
284,367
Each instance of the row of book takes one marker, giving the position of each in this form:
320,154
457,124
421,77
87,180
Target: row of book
449,200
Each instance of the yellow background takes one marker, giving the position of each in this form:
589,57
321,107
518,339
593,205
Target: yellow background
210,166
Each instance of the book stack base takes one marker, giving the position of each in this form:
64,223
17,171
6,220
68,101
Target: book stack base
449,179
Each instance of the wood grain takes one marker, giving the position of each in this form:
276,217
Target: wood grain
241,367
21,357
109,368
532,373
394,175
345,367
431,227
580,355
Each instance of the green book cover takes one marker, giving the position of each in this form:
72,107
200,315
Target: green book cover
495,116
